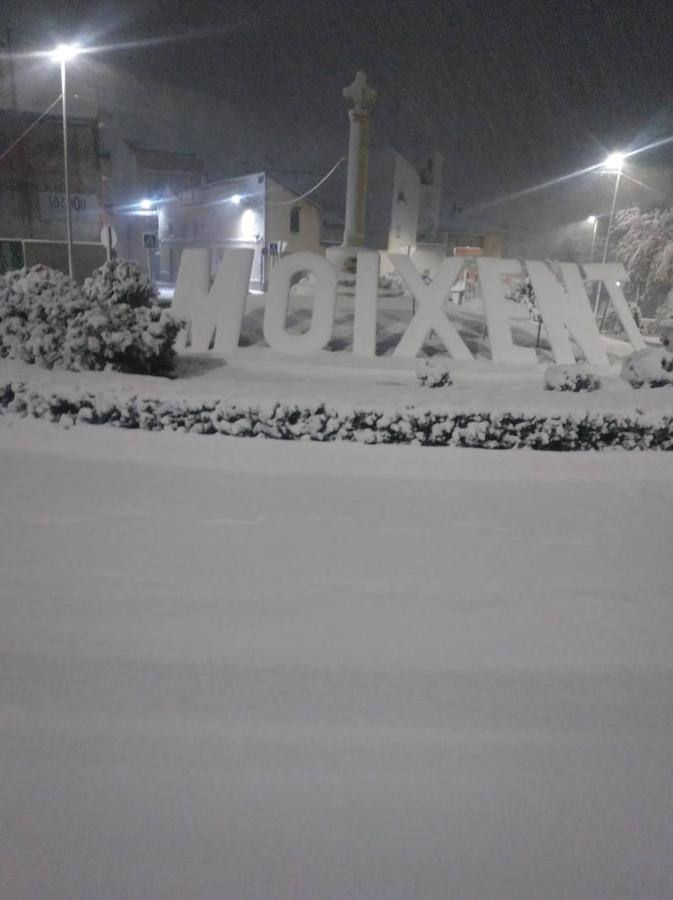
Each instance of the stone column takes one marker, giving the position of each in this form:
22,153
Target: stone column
362,97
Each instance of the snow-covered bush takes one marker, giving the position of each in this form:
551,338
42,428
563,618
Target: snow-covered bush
434,372
391,283
120,281
37,307
571,378
316,422
128,339
45,318
652,366
522,292
649,326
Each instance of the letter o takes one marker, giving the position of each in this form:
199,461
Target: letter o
278,296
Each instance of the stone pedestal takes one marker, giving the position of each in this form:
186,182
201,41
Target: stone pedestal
356,187
362,97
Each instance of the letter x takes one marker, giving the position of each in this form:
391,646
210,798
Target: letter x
430,315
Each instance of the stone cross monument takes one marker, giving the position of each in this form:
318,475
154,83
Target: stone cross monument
362,98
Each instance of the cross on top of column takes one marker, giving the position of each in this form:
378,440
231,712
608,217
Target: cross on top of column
361,95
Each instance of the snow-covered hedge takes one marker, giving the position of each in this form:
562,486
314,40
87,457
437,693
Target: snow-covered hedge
433,372
652,366
590,431
571,378
45,318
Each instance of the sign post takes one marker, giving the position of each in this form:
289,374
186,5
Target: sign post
108,238
150,244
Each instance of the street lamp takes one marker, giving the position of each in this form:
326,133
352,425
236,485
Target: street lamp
593,220
63,54
613,165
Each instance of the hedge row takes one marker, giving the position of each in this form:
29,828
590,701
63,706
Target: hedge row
591,431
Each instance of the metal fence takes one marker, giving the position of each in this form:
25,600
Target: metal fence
18,252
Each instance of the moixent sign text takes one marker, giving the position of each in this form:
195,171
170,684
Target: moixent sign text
216,313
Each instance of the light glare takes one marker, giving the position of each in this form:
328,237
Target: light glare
236,199
614,162
146,203
65,52
591,220
248,224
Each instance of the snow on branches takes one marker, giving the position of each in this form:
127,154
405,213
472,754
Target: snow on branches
47,319
646,250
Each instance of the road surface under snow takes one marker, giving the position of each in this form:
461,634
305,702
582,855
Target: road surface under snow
246,669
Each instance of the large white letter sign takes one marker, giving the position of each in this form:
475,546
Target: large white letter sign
613,275
218,309
503,349
430,315
324,301
193,281
566,311
366,298
231,283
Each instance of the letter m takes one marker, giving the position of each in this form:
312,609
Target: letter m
216,310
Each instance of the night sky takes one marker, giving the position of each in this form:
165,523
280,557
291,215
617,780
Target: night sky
512,93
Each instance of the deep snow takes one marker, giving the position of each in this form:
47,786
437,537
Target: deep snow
249,669
258,375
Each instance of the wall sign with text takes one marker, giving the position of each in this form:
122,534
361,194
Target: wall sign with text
52,205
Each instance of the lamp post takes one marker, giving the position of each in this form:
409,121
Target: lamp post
612,165
148,208
62,55
593,220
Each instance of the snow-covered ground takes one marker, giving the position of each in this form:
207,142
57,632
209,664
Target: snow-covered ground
258,375
252,669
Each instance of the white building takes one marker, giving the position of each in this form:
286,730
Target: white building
254,211
404,207
406,214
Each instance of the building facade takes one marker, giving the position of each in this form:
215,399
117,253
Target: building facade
254,211
32,192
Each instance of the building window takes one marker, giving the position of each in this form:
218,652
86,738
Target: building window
294,220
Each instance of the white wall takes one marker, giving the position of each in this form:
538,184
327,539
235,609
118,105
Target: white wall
278,213
404,206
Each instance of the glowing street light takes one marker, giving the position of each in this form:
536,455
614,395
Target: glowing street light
146,203
236,199
63,54
614,163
